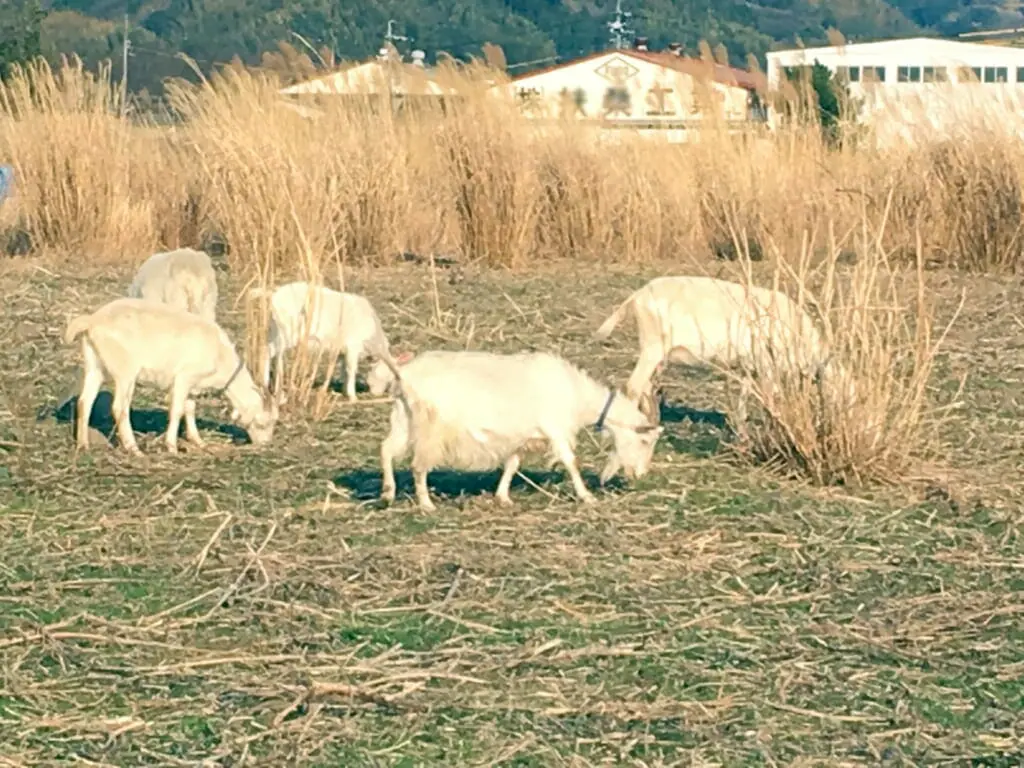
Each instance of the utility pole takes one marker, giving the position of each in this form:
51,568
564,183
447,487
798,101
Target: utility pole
125,46
390,38
620,32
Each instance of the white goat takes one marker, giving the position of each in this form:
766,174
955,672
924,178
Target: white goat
183,278
479,410
337,323
132,340
703,320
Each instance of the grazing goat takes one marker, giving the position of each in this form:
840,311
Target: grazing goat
132,340
703,320
183,278
337,322
479,410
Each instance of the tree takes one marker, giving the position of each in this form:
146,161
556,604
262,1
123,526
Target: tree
20,27
824,94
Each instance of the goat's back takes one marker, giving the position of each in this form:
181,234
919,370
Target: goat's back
330,315
513,392
183,278
706,319
145,335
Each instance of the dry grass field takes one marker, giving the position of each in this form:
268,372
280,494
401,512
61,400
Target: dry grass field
257,606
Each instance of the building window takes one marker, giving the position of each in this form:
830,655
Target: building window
874,74
848,74
969,75
908,74
1020,74
996,75
935,75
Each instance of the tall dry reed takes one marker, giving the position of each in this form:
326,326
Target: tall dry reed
327,181
295,197
90,184
867,417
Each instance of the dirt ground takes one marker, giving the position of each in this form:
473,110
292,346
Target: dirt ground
250,605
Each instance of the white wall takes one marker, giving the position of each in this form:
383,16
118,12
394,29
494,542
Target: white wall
656,94
926,84
916,53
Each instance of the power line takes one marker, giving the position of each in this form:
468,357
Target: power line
545,60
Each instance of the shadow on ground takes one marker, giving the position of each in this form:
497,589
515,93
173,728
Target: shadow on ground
448,484
149,421
700,443
337,385
365,484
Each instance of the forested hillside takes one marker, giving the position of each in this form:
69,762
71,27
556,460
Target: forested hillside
213,31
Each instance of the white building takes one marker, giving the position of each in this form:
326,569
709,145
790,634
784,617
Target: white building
639,89
383,75
920,81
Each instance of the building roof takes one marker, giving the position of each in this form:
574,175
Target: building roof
369,76
942,44
690,66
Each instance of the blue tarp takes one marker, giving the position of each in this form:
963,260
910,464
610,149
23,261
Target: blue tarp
6,181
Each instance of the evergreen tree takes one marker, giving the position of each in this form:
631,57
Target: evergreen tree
824,94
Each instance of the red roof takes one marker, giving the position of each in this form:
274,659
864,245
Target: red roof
695,67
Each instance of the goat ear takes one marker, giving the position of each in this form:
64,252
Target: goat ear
650,408
403,357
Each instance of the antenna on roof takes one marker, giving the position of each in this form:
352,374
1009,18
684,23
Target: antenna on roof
390,38
620,32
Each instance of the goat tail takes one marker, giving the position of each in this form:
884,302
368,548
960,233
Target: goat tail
615,318
77,327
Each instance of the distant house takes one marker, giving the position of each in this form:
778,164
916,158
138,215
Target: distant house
383,76
640,89
917,81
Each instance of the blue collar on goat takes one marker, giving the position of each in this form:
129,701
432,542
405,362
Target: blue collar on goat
599,424
238,370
